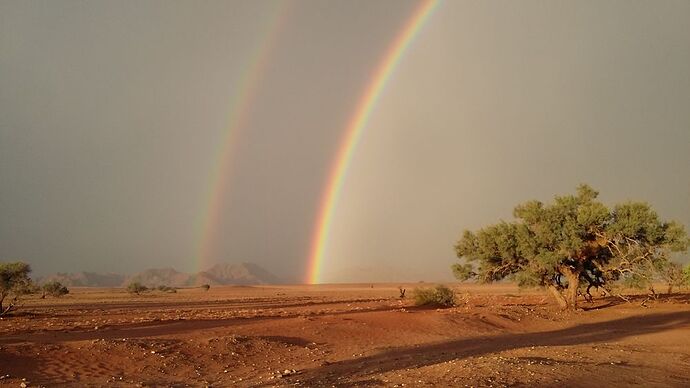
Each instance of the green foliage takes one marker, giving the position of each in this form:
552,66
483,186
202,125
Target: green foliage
55,288
463,271
439,296
672,274
14,282
136,288
634,280
686,275
572,240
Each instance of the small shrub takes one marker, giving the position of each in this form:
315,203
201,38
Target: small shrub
672,275
55,289
168,289
439,296
205,287
136,288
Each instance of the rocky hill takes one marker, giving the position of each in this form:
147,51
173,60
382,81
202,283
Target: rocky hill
159,276
240,274
219,274
85,279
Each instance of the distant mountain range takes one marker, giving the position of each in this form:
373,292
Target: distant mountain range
85,279
219,274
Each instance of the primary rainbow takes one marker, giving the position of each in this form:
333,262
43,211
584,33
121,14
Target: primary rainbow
353,132
242,101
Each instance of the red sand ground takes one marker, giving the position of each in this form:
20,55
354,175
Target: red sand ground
341,336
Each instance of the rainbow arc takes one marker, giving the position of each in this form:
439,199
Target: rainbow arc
217,194
353,133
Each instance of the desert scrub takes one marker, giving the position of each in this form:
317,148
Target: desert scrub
439,296
168,289
55,289
136,288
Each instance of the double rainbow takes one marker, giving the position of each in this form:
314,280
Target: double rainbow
353,132
243,98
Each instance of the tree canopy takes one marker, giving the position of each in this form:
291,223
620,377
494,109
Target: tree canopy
576,240
14,282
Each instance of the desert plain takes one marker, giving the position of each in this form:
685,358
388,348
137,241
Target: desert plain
342,335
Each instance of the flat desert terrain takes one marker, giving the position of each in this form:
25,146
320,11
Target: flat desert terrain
342,335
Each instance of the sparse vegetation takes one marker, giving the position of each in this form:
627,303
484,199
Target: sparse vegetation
136,288
575,240
439,296
55,289
205,287
14,282
672,274
168,289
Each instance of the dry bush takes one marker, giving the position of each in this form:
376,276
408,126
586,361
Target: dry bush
55,289
136,288
168,289
439,296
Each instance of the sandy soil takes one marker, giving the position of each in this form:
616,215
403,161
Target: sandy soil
345,335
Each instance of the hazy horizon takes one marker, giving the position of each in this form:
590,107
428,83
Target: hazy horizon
112,115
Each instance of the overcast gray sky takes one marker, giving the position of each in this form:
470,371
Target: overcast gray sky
111,114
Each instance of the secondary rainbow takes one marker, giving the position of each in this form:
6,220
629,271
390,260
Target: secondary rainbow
353,132
217,193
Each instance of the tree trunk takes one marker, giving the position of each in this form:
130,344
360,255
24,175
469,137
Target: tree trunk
573,284
5,310
562,303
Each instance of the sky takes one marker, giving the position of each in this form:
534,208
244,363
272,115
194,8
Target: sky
114,116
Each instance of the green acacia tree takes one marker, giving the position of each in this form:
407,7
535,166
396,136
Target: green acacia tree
574,241
14,282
